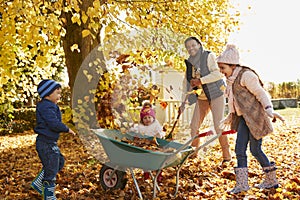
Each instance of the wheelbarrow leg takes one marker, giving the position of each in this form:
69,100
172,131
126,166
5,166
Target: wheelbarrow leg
177,181
153,178
155,185
136,184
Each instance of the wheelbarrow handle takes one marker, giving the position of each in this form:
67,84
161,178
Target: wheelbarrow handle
178,151
229,132
210,132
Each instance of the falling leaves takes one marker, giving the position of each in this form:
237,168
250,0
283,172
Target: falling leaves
197,92
163,104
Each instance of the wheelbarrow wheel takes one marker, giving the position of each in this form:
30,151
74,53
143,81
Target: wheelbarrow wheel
112,181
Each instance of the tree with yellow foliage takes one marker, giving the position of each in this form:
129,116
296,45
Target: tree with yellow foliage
39,38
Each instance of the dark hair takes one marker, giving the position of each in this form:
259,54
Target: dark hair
192,38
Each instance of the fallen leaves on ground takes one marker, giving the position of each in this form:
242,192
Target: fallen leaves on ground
200,178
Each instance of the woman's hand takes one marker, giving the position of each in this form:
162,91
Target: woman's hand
195,82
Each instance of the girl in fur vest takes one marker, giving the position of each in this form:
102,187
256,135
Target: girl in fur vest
250,110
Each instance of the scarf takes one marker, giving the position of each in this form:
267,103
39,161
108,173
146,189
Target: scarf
228,92
195,60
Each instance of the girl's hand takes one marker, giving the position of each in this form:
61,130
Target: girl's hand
274,115
226,122
278,116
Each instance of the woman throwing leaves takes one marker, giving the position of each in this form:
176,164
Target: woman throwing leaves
202,72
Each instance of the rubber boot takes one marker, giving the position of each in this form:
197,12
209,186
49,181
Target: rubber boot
241,174
37,183
146,175
159,177
48,191
270,178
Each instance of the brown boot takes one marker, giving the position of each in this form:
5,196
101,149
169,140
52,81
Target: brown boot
196,144
223,140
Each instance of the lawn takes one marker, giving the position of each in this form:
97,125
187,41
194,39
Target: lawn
200,178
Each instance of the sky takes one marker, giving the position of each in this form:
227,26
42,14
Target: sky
269,38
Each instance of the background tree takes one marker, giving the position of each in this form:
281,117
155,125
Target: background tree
33,33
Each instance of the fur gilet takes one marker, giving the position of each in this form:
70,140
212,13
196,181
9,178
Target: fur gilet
254,114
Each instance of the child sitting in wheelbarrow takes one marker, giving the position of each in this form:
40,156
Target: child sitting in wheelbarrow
149,126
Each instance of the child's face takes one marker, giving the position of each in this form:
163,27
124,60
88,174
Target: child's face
226,69
147,120
54,96
192,46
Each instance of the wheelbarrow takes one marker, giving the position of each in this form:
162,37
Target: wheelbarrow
123,156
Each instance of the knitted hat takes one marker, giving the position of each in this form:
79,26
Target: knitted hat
230,55
46,87
147,110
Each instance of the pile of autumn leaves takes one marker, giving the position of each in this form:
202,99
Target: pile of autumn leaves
202,178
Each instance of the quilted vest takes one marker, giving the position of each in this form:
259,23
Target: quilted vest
211,90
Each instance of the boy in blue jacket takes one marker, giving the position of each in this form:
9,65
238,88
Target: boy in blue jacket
48,127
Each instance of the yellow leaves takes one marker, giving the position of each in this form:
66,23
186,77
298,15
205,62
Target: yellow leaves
88,76
85,33
79,101
223,88
96,5
84,17
75,47
76,19
197,92
92,12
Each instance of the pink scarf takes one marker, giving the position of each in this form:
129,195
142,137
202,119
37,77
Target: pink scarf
228,92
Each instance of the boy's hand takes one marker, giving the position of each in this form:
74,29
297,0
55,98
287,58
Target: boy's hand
72,132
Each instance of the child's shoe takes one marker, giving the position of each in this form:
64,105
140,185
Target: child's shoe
49,191
146,175
159,177
37,184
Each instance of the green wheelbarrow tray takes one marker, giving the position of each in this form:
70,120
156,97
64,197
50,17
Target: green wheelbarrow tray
122,155
126,155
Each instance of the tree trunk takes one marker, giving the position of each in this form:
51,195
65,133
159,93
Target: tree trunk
73,36
78,60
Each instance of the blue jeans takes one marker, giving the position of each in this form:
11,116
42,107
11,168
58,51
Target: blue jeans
52,159
243,138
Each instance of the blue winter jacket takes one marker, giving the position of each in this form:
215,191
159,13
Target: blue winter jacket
48,121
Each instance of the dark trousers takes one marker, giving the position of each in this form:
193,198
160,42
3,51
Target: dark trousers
52,159
243,138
